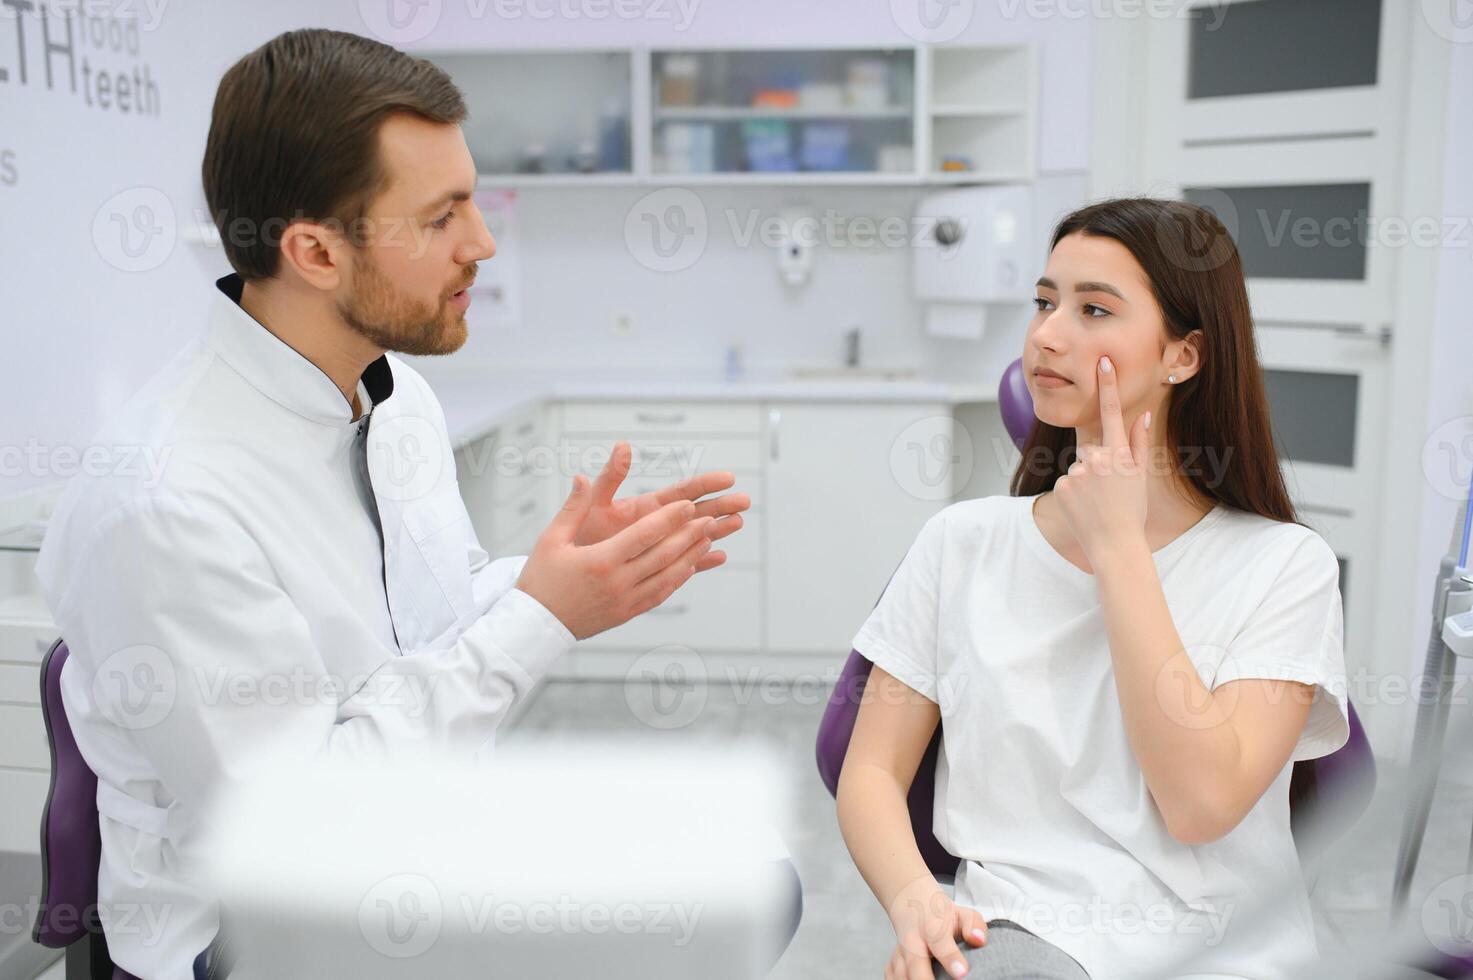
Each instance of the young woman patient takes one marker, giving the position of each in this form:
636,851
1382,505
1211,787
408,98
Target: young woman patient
1125,655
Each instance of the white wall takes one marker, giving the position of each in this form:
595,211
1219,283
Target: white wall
579,274
82,333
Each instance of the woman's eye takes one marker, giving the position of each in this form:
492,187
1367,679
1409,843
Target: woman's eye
1041,304
441,223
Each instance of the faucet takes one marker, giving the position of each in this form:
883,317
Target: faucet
851,347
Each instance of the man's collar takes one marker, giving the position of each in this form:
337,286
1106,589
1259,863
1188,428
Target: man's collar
278,371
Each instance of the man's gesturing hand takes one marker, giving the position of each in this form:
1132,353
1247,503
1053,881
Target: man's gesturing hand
592,588
606,516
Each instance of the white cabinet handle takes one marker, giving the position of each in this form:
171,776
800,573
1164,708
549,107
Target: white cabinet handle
774,421
680,610
527,507
651,418
525,428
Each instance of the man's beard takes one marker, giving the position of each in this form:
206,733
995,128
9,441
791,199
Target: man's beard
388,319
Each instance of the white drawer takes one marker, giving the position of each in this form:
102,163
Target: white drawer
522,431
26,630
516,512
23,737
629,419
20,683
716,610
507,463
666,460
506,488
518,455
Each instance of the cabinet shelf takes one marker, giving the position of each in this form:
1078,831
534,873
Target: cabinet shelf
982,102
976,177
795,178
722,113
623,179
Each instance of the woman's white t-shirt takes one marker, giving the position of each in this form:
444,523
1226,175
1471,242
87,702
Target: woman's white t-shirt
1037,788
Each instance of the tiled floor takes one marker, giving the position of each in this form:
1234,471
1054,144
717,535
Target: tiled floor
845,934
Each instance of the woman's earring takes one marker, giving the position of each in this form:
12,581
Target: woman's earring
1171,378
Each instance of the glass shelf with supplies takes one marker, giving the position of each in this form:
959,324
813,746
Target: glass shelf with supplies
537,114
766,112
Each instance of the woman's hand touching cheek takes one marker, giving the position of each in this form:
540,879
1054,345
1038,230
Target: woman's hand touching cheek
1103,496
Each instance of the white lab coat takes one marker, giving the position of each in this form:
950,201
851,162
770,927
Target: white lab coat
237,604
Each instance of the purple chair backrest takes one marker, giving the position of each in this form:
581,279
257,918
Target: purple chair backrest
71,840
1326,795
71,843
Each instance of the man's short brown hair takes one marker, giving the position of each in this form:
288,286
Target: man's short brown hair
294,135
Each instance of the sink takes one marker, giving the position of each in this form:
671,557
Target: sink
853,374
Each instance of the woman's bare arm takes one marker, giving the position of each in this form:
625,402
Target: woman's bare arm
894,726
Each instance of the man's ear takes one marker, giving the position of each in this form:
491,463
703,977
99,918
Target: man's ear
316,252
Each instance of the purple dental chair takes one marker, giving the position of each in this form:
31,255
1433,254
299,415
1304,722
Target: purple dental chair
71,845
1327,795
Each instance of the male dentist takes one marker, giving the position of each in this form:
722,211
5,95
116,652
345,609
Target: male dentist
304,578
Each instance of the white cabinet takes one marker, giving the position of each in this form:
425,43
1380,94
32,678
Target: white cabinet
504,479
715,612
839,491
847,492
720,610
982,112
901,114
26,633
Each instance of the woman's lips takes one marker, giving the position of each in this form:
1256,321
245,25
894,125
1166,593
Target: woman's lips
1050,381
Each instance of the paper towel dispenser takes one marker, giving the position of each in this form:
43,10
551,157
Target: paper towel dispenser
974,247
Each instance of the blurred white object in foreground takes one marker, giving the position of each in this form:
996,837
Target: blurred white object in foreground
569,859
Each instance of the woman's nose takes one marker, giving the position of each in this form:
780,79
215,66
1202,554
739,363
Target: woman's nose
1047,334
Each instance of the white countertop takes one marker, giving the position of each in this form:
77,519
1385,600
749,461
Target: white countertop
476,399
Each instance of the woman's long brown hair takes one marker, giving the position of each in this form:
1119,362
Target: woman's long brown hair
1196,276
